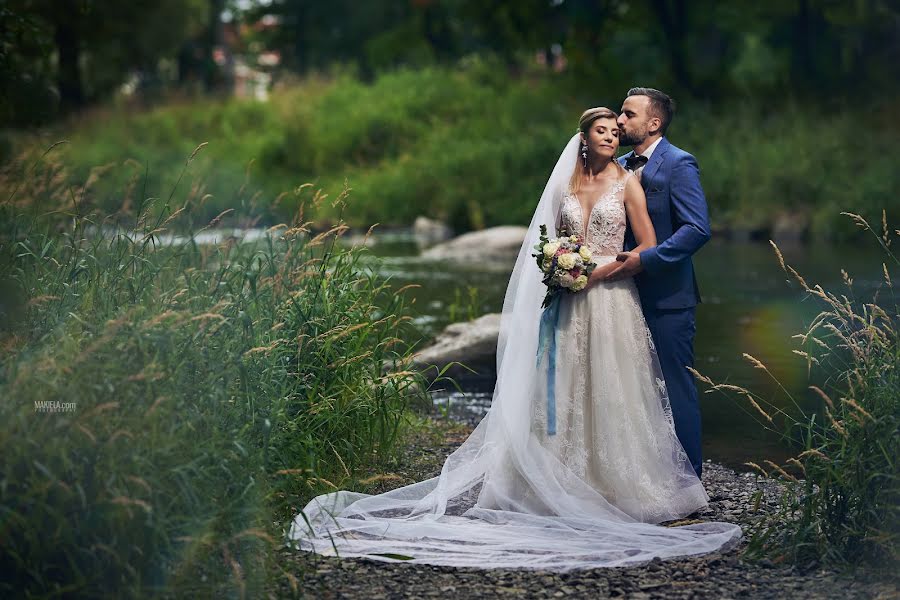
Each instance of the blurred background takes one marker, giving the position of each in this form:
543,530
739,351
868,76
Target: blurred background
192,346
455,111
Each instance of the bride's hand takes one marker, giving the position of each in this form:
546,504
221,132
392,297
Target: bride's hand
601,271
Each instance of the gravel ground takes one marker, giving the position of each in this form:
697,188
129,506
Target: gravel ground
716,575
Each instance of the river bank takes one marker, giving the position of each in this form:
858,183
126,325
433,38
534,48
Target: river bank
716,575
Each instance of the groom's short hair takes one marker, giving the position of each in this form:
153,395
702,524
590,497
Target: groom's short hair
661,105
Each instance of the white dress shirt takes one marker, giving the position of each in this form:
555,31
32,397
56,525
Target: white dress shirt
648,153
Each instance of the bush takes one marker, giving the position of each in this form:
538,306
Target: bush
473,145
842,495
168,406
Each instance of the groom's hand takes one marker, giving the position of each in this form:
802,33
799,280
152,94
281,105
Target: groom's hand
629,267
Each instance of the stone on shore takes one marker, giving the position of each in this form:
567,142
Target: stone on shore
429,232
473,343
504,240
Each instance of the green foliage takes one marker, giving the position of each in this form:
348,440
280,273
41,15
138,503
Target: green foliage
473,147
213,390
841,504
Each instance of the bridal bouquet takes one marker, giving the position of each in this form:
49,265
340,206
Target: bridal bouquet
565,262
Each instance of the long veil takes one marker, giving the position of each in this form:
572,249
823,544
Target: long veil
502,499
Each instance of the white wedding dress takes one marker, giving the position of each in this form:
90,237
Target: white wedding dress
515,496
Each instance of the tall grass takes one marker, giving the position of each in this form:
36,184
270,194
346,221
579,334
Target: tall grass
473,146
841,504
166,408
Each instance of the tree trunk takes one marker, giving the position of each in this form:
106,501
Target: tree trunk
211,73
673,18
68,78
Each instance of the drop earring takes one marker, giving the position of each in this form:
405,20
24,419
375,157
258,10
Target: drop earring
584,150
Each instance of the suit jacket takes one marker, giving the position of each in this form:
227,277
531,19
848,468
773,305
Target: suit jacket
677,207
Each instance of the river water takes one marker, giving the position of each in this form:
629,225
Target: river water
749,306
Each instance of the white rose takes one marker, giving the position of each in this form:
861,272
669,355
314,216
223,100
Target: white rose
579,283
585,253
566,261
551,248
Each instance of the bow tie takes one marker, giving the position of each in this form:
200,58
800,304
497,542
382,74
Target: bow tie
635,162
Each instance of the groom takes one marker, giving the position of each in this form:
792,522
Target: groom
664,274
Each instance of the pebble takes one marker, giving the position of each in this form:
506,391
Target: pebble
714,575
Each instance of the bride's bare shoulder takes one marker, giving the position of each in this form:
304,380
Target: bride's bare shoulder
633,189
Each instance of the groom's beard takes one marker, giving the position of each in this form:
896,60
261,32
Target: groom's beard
630,139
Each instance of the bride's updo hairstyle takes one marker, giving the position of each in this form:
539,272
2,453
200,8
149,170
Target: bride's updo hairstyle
584,124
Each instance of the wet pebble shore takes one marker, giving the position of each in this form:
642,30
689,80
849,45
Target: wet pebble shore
716,575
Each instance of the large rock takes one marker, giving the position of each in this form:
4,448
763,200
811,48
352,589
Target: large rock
473,343
504,240
429,232
790,227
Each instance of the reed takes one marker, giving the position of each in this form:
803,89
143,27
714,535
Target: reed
841,504
167,409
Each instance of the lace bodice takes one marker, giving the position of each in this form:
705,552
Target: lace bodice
605,232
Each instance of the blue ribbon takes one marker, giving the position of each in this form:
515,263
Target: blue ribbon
547,339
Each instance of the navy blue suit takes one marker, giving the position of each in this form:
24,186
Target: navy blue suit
667,285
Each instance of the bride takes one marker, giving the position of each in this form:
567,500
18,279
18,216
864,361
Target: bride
577,460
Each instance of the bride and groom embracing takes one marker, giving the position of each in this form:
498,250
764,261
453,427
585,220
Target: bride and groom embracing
581,472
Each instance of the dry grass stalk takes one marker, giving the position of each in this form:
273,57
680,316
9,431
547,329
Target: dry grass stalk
755,362
100,408
858,219
823,395
384,477
758,468
265,349
336,230
730,387
813,452
140,482
397,375
334,336
154,406
855,406
125,501
40,300
798,277
291,471
820,343
236,570
349,361
848,281
87,432
699,376
322,480
778,254
160,318
341,460
759,408
253,532
196,150
407,287
809,358
119,433
887,277
208,315
780,471
838,426
798,464
369,232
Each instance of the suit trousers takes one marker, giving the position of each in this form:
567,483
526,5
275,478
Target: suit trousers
673,332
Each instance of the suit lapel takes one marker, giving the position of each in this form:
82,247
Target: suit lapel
659,155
